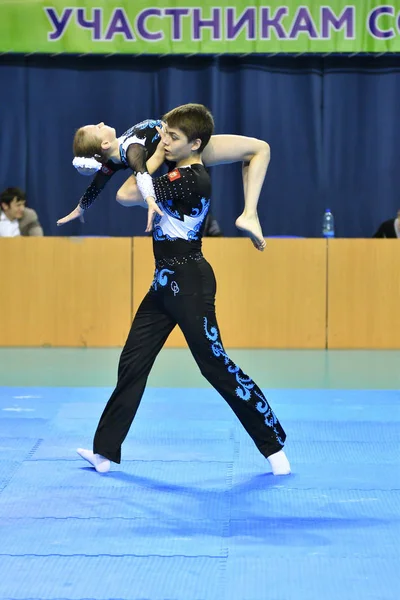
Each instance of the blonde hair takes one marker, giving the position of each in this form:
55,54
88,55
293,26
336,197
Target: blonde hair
86,145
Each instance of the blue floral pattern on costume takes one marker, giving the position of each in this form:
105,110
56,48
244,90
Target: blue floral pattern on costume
161,278
167,208
193,234
246,385
202,211
199,213
160,236
150,123
264,408
143,124
122,153
137,134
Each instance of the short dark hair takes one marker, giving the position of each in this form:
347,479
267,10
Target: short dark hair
195,120
10,193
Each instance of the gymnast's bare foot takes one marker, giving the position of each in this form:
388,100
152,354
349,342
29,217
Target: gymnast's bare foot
251,226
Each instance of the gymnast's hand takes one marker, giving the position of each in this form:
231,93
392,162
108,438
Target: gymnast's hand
153,209
162,131
77,213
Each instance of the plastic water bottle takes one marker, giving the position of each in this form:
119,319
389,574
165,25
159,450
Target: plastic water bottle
328,224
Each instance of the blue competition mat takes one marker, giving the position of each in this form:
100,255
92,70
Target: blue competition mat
193,511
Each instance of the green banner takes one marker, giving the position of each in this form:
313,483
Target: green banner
194,27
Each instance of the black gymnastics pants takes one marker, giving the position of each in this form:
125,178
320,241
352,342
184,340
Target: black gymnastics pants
183,294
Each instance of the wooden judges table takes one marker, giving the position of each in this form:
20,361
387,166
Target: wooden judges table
299,293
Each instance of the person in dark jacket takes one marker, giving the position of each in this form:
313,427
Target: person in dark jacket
389,229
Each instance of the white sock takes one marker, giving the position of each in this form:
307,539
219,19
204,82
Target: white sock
99,462
279,463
